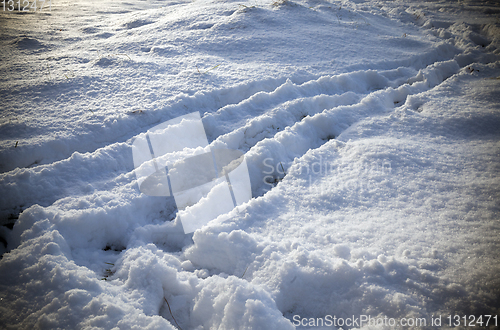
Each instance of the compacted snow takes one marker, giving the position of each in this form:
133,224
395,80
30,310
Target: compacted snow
371,132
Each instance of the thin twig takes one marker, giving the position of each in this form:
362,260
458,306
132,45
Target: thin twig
172,314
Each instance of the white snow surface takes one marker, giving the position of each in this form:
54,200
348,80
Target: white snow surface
371,130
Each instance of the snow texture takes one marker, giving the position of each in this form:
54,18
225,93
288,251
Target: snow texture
371,132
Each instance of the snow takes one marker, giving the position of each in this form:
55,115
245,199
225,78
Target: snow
371,137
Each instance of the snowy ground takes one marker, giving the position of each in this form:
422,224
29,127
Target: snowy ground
372,135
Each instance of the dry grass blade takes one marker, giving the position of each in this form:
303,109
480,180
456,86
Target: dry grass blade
282,168
213,68
207,70
121,55
173,318
245,271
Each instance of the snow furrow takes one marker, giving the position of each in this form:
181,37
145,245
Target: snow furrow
282,110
